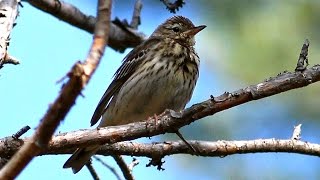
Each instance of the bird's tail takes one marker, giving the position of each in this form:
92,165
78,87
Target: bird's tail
80,158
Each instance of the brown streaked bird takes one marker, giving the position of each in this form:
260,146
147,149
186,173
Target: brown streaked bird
159,74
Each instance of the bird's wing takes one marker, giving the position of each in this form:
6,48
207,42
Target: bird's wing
128,67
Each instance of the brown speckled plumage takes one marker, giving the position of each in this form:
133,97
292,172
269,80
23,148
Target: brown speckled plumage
159,74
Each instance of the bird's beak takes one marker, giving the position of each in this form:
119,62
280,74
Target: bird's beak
195,30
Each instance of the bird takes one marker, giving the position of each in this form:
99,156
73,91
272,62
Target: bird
157,75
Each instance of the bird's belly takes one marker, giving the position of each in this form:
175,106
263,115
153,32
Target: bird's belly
147,97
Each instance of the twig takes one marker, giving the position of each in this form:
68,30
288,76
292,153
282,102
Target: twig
92,171
119,38
296,135
124,168
173,7
303,57
136,19
107,166
21,132
79,76
8,15
134,163
9,60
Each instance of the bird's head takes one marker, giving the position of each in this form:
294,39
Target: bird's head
179,29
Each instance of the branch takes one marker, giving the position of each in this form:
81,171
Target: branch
136,20
8,15
120,36
303,57
207,148
21,132
219,148
79,76
157,151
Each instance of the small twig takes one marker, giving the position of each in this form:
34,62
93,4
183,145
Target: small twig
23,130
9,60
173,7
303,57
124,168
136,19
92,170
107,166
296,135
156,161
8,16
134,163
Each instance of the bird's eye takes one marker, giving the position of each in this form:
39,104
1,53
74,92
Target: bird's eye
176,29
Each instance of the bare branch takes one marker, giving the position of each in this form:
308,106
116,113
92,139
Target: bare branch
156,151
303,57
219,148
120,37
136,20
21,132
8,15
78,78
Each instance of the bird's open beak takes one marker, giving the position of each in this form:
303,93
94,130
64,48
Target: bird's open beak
195,30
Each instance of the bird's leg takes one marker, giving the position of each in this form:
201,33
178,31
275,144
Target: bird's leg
186,142
155,117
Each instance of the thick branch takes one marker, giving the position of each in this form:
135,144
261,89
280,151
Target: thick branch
212,149
120,37
79,77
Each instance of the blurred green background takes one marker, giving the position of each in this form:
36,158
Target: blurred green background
244,43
